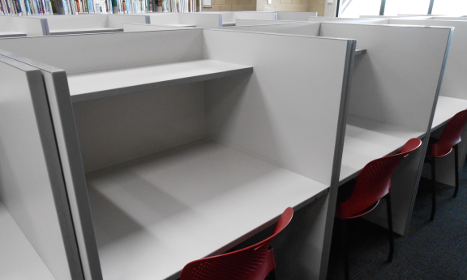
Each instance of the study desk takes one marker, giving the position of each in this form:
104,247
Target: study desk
446,108
18,259
155,214
368,139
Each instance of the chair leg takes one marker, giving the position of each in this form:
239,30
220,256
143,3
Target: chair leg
433,189
390,231
272,275
456,156
346,252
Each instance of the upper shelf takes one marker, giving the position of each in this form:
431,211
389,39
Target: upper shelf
88,86
155,214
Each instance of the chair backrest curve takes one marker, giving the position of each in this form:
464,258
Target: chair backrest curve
451,134
251,263
374,181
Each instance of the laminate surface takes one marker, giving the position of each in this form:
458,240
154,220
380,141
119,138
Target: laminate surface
446,108
157,213
18,259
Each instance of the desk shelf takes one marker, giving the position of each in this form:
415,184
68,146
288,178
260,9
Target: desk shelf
368,139
18,259
88,86
157,213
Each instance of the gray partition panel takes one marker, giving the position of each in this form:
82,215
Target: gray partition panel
61,113
31,180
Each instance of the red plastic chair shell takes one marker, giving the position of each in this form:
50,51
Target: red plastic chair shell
451,136
373,183
251,263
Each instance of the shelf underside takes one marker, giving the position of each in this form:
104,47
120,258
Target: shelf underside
157,213
88,86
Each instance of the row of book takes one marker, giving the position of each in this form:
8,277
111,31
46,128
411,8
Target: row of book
71,7
133,6
25,7
179,6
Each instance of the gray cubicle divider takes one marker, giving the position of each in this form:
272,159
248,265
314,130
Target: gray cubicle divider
250,118
394,85
71,165
32,186
13,26
299,16
133,27
317,20
92,23
349,20
453,94
282,136
195,19
279,26
229,18
393,96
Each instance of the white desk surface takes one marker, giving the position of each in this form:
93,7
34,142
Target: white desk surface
12,34
93,85
18,259
366,140
155,214
85,30
446,108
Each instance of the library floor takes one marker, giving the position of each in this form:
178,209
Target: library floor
431,250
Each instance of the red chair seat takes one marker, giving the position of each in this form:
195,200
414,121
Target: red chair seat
436,150
361,213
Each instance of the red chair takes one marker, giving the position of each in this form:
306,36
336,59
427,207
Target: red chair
252,263
373,184
442,147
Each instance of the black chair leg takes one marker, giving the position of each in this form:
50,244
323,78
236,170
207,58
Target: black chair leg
272,275
456,156
433,189
390,231
346,249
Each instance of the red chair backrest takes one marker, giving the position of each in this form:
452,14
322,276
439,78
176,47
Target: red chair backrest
251,263
374,181
451,134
